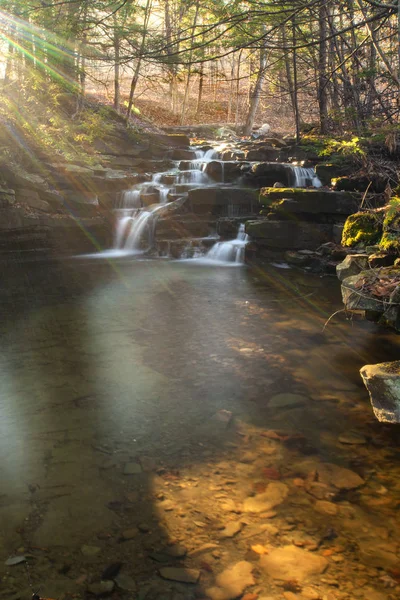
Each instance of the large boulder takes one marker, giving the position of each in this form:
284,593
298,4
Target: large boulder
383,384
223,202
362,228
181,227
289,235
262,153
353,264
267,173
307,201
377,292
224,171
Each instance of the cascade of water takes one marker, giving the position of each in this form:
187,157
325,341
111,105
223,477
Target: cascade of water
192,176
131,198
305,177
138,234
231,251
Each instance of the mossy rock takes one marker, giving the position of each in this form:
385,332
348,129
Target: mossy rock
390,242
362,228
332,170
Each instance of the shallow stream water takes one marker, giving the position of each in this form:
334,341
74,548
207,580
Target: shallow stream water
146,397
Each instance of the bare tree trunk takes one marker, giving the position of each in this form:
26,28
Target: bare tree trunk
256,93
187,86
322,67
230,101
201,87
117,87
136,74
290,82
295,96
238,87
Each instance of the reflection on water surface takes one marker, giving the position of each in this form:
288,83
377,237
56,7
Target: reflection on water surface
150,403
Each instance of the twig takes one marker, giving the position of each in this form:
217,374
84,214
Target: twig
331,317
365,194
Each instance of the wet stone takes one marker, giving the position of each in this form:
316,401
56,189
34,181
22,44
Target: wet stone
90,551
231,529
326,508
274,495
287,400
232,582
292,563
101,588
125,582
132,468
352,438
130,533
176,551
180,574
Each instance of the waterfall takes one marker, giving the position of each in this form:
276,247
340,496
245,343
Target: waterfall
192,176
231,251
305,177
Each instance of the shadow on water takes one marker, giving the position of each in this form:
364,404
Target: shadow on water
118,380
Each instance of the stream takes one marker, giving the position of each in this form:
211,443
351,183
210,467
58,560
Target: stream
169,423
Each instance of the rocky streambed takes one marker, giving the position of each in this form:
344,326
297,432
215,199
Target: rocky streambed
176,433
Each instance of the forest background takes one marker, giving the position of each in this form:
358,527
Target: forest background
334,66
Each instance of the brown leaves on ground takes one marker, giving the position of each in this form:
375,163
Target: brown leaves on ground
381,286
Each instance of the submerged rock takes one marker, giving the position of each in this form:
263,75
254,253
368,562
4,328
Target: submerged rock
180,574
274,495
287,400
383,384
292,563
232,582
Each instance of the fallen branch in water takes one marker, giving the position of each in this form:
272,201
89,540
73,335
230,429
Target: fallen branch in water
331,317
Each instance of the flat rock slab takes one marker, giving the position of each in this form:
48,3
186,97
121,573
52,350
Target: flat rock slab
274,495
287,400
232,582
330,475
339,477
292,563
180,574
352,438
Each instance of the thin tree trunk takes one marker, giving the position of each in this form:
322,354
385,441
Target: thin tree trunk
187,86
117,87
201,87
322,66
136,74
230,101
295,96
238,88
292,92
256,93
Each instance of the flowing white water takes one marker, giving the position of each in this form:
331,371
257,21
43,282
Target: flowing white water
194,176
232,251
305,177
225,254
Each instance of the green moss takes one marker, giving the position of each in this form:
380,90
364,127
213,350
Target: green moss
390,242
361,228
